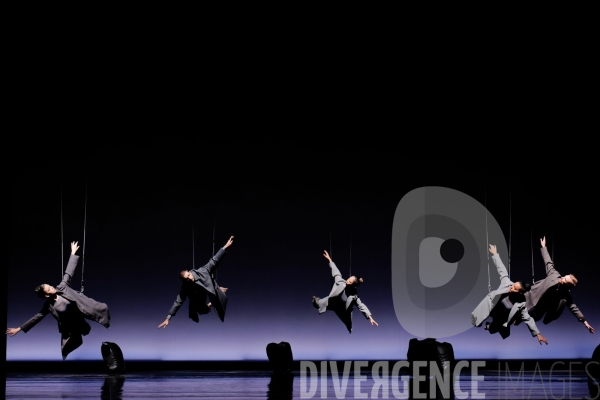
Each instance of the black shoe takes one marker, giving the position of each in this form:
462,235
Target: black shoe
314,301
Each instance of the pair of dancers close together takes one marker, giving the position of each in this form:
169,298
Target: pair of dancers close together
510,304
513,303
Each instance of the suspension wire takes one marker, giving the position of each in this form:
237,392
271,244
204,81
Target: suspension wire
193,241
330,251
192,198
350,256
84,229
191,147
509,224
486,235
62,250
214,273
554,261
553,214
531,241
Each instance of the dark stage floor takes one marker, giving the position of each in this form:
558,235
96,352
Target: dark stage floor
547,379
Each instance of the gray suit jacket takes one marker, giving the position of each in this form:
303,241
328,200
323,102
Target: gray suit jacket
517,313
204,284
342,299
89,308
551,304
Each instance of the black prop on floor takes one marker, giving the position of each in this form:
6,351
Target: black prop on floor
595,364
594,374
430,350
280,357
433,352
113,357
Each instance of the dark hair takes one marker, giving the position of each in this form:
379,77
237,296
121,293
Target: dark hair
525,287
358,281
516,297
183,271
40,291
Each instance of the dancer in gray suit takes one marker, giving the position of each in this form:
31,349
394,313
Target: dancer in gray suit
549,296
342,297
506,305
197,285
69,307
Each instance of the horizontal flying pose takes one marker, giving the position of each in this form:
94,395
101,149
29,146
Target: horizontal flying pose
197,285
506,305
69,307
549,296
342,297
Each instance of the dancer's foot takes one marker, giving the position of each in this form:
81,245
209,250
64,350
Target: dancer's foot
209,305
487,326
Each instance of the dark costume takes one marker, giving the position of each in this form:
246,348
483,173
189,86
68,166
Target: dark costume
341,299
72,313
204,285
547,299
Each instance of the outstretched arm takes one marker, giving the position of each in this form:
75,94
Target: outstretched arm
229,243
31,322
502,272
214,260
175,307
73,260
547,260
577,313
365,311
13,331
335,272
530,322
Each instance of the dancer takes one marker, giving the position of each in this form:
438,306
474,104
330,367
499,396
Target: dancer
548,297
343,297
197,284
69,307
506,305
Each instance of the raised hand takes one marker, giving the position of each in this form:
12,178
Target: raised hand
74,247
543,241
229,243
326,255
493,249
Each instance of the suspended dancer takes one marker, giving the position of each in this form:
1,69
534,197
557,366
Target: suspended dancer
198,284
343,297
548,297
69,307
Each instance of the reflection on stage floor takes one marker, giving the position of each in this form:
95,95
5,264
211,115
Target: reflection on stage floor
250,384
